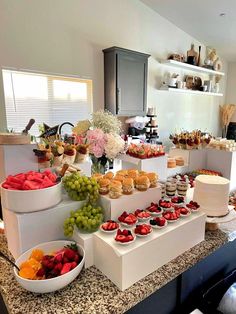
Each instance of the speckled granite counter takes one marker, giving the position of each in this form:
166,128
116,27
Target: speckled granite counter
93,293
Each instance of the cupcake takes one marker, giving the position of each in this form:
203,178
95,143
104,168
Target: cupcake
128,186
109,175
115,189
142,183
152,176
132,173
104,186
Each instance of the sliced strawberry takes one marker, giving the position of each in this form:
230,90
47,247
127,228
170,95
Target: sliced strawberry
66,268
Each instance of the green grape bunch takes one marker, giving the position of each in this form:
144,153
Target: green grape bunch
80,188
87,219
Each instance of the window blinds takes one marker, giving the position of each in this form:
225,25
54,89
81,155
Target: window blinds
46,98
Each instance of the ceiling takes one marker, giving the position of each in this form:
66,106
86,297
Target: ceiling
200,19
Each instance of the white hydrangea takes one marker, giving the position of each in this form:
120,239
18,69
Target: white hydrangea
114,146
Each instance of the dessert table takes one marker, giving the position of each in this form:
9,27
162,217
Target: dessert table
93,293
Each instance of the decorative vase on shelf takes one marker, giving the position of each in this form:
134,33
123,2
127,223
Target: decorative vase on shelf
99,165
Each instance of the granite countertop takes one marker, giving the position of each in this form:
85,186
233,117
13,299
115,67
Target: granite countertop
93,293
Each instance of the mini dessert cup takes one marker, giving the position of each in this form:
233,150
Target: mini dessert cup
57,161
69,159
80,157
182,188
163,188
171,187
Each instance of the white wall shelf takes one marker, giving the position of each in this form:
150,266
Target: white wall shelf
189,91
190,67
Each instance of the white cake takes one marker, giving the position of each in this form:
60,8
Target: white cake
212,194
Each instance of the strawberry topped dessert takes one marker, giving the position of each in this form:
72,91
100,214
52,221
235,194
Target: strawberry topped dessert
128,219
143,230
184,211
159,222
154,209
171,216
142,214
124,236
109,225
194,206
165,204
177,199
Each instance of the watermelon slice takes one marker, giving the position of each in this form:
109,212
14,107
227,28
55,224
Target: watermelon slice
30,181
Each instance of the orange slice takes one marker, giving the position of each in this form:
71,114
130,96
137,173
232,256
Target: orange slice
37,255
27,273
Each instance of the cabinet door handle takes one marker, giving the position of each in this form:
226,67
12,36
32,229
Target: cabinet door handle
118,99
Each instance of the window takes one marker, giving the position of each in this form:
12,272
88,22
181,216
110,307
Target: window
46,98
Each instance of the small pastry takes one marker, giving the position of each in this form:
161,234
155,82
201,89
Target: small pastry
142,173
142,183
122,173
104,186
171,163
115,189
109,175
97,176
128,186
132,173
179,161
152,176
118,177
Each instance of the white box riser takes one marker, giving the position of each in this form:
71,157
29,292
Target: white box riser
86,241
113,208
24,231
127,268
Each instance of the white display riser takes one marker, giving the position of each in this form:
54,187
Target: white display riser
224,162
113,208
193,159
125,265
157,164
171,172
17,158
23,231
86,241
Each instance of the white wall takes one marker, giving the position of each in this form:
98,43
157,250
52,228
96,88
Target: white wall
61,36
231,87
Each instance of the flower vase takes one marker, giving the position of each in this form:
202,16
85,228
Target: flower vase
99,165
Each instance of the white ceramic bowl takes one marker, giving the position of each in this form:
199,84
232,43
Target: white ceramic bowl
53,284
31,201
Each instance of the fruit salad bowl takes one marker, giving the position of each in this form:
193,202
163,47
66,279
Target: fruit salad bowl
31,200
52,284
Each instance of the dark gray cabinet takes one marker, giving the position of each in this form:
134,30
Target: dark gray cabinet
125,81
